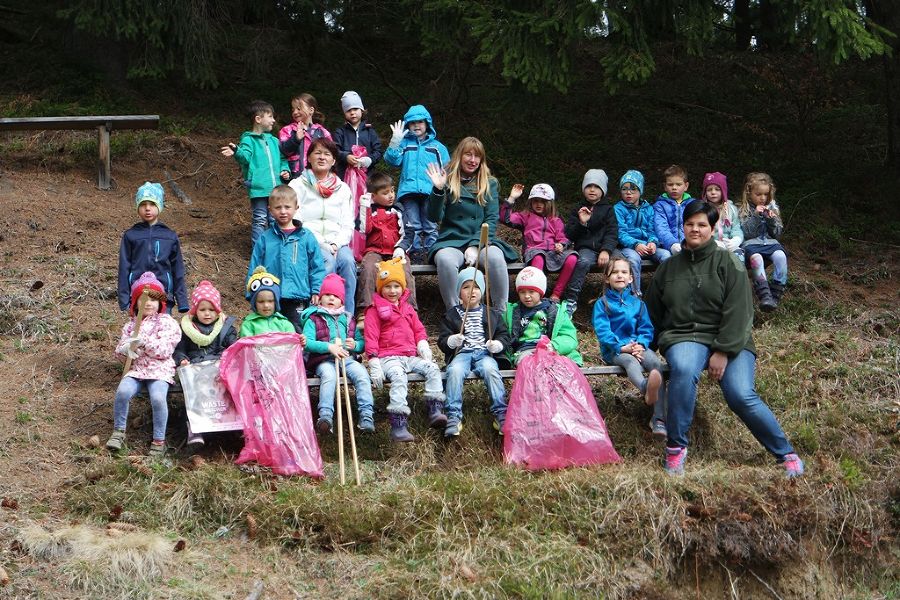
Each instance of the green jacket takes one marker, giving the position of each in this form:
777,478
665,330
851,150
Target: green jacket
255,324
563,337
702,296
261,162
459,223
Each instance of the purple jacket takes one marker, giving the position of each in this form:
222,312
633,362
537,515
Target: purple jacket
537,231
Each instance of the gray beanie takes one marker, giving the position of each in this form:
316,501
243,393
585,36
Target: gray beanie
350,100
596,177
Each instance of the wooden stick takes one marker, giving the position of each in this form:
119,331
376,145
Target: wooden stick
350,422
137,327
482,240
487,281
340,420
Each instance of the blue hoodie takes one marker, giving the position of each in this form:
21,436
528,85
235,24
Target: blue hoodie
413,155
668,219
621,318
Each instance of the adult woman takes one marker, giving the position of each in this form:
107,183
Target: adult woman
700,304
325,208
464,197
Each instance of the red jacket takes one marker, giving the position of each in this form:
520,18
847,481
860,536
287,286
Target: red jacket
392,330
383,228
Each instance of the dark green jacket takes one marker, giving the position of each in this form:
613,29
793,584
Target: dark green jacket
702,296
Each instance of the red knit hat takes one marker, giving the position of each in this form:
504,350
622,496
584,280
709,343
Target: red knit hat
205,290
333,284
149,282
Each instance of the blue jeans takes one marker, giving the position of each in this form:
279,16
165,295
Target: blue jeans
415,220
259,208
344,265
686,361
483,365
587,258
156,389
634,259
635,372
358,376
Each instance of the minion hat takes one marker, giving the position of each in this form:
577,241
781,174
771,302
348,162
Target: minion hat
596,177
531,278
150,192
468,274
260,281
149,282
388,271
542,191
205,290
633,177
718,179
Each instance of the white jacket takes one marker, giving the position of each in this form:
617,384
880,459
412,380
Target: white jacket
330,219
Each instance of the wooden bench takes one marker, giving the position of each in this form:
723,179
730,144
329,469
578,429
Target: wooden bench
103,124
515,267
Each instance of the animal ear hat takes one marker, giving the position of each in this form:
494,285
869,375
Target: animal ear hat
388,271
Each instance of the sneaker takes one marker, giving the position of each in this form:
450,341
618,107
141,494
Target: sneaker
571,307
366,424
793,466
498,426
453,429
157,449
196,439
675,458
116,440
658,428
324,426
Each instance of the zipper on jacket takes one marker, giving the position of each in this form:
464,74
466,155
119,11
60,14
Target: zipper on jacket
265,144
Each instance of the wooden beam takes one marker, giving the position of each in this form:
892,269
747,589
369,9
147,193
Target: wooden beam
53,123
103,179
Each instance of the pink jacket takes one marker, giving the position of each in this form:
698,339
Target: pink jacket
159,335
537,232
290,130
392,330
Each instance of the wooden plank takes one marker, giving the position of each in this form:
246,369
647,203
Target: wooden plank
103,178
515,267
91,122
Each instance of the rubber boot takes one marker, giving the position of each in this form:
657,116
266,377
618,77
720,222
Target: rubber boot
399,432
777,291
764,295
436,417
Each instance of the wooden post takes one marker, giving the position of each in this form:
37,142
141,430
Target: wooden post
103,163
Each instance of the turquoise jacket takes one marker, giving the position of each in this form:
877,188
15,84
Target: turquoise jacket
635,223
261,163
294,258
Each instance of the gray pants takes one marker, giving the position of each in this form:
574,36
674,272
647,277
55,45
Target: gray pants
395,369
634,369
448,262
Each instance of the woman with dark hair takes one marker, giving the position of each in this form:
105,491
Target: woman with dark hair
325,208
700,304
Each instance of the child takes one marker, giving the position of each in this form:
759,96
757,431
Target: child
355,132
151,246
624,331
291,253
413,147
295,138
727,232
544,240
473,349
761,222
260,159
205,333
152,367
593,230
382,224
535,316
265,302
323,325
396,344
635,219
668,211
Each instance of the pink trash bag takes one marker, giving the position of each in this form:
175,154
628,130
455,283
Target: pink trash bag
356,179
265,376
552,421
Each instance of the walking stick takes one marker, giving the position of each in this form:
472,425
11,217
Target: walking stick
337,407
487,281
350,422
137,328
482,243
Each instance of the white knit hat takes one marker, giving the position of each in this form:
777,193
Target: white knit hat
351,99
531,278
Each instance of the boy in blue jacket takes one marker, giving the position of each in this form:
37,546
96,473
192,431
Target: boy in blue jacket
635,217
151,246
413,147
668,211
291,253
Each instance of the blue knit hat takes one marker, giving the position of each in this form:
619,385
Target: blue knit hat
633,177
468,274
260,281
150,192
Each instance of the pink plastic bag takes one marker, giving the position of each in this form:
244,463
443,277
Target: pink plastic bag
267,382
553,421
356,179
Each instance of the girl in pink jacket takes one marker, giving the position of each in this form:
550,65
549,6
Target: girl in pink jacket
544,241
152,366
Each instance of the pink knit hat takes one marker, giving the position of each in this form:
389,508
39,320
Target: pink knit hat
333,284
205,290
718,179
156,290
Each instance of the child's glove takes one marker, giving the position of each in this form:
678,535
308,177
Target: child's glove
456,340
721,244
365,201
471,255
365,162
375,373
676,248
397,133
424,351
494,347
732,244
399,253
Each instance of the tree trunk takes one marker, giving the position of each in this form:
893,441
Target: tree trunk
742,32
887,15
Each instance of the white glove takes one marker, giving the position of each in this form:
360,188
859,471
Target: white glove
456,340
135,341
676,248
494,347
721,244
375,373
471,255
365,162
132,354
397,133
732,244
365,201
424,351
399,253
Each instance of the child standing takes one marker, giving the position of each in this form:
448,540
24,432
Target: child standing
265,302
593,230
324,324
761,222
261,163
635,219
356,132
292,254
624,331
727,232
534,316
306,127
382,224
668,212
544,240
413,147
151,246
470,348
151,349
396,344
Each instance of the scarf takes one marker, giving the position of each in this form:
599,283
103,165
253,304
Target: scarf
194,334
325,187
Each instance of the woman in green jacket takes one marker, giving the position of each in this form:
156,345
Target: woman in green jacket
464,197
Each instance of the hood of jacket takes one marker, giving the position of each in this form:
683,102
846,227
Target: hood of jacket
417,112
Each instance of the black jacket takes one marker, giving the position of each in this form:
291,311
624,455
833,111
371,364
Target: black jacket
601,231
187,349
452,323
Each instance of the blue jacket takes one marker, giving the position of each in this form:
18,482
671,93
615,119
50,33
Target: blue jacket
346,137
621,318
152,248
635,223
668,219
413,156
294,258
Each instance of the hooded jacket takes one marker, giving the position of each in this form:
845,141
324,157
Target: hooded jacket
562,334
330,219
635,223
382,226
601,231
538,232
256,324
364,135
619,319
413,155
392,330
292,257
668,219
153,248
261,162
